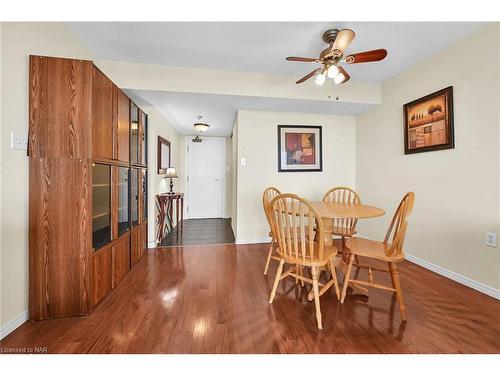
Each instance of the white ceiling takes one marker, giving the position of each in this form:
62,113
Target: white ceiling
262,46
219,111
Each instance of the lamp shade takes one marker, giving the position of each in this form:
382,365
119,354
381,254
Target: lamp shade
171,173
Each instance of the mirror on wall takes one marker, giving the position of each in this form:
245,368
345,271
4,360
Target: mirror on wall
163,155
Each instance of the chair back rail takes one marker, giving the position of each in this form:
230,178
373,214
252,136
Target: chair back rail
267,196
343,194
397,230
298,228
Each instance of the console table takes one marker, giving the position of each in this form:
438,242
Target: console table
165,221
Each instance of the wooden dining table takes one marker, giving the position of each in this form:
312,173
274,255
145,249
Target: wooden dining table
336,210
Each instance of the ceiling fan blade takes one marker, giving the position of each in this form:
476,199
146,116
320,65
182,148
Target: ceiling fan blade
368,56
342,76
301,59
305,78
342,41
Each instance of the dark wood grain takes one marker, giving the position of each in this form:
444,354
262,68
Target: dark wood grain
59,237
135,245
60,107
102,115
121,259
102,273
123,125
143,239
213,299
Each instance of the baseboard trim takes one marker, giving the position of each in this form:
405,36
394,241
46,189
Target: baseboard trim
245,241
9,327
492,292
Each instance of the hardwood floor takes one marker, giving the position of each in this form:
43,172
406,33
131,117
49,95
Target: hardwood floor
213,299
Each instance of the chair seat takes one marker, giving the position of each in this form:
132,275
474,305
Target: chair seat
371,249
329,252
343,231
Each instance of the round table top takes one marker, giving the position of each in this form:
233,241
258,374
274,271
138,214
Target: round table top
335,210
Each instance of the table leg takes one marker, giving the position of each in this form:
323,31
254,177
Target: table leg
182,212
328,225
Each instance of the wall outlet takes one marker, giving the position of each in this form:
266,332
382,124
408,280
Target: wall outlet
490,239
18,141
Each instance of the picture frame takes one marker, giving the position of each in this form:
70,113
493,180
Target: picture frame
163,155
300,148
428,122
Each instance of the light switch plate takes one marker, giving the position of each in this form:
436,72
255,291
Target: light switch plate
243,161
18,141
490,239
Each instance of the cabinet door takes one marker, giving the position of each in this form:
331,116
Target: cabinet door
144,238
143,125
121,259
123,125
101,274
134,134
102,115
134,196
135,245
101,205
59,237
60,107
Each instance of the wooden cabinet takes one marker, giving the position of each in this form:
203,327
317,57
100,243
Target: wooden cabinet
122,126
80,187
135,245
103,92
121,259
144,238
102,281
143,123
60,108
59,237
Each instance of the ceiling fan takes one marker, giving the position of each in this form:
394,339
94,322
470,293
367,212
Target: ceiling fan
331,56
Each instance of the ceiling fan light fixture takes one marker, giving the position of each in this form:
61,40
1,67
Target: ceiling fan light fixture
340,78
333,71
320,78
342,41
201,127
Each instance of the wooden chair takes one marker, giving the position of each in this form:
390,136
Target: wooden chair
268,195
390,252
345,227
299,234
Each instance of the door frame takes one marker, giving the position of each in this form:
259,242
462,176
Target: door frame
187,143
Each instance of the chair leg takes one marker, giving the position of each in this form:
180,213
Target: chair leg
276,281
399,292
301,271
335,279
315,278
347,276
269,256
297,271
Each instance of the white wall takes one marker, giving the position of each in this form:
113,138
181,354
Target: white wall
158,126
18,41
457,191
257,143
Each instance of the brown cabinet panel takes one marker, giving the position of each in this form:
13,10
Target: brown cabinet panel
102,116
60,237
123,125
142,137
144,239
135,245
102,267
60,107
121,259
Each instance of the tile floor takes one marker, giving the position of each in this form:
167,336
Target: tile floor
200,232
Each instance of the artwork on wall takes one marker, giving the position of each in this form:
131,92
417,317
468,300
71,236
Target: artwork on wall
428,122
299,148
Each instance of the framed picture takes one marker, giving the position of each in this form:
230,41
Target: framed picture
163,157
428,122
299,148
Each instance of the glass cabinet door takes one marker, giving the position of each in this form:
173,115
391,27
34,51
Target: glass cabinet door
123,200
134,133
144,192
101,205
143,137
134,196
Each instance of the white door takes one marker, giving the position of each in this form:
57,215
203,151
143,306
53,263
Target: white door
205,178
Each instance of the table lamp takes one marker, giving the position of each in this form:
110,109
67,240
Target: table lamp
171,173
